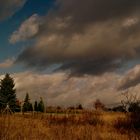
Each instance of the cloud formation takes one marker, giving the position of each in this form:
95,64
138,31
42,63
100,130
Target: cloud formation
7,63
9,7
28,29
89,37
131,78
58,89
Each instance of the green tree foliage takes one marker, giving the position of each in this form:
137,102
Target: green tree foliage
41,107
31,107
27,106
7,93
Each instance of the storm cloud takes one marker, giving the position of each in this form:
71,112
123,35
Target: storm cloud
89,37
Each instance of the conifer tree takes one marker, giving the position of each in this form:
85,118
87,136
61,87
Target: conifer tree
30,107
27,104
41,106
35,106
7,93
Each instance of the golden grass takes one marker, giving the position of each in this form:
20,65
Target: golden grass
86,126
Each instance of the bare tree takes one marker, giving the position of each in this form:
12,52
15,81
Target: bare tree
129,99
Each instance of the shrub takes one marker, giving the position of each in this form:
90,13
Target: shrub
130,122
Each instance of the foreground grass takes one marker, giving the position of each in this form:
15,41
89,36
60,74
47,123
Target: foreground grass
86,126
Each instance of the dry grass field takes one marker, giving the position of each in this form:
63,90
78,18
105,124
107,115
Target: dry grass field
84,126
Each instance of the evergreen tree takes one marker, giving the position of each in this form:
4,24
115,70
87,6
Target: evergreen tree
27,105
41,106
30,107
7,93
35,106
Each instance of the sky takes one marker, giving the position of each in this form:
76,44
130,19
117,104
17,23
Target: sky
71,52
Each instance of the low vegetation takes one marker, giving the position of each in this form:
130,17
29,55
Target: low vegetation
84,126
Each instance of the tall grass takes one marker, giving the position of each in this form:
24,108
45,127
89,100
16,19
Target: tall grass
131,123
84,126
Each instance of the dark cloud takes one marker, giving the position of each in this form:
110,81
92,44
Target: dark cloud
131,79
97,10
89,67
89,37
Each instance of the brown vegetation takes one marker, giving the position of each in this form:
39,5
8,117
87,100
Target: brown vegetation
83,126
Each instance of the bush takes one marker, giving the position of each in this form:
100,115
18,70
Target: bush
135,120
134,107
130,122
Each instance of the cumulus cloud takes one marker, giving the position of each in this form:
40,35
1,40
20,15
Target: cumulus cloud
89,37
9,7
58,89
7,63
28,29
131,78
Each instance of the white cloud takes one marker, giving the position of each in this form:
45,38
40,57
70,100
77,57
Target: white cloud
58,89
28,29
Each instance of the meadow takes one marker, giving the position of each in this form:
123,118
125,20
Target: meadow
86,125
